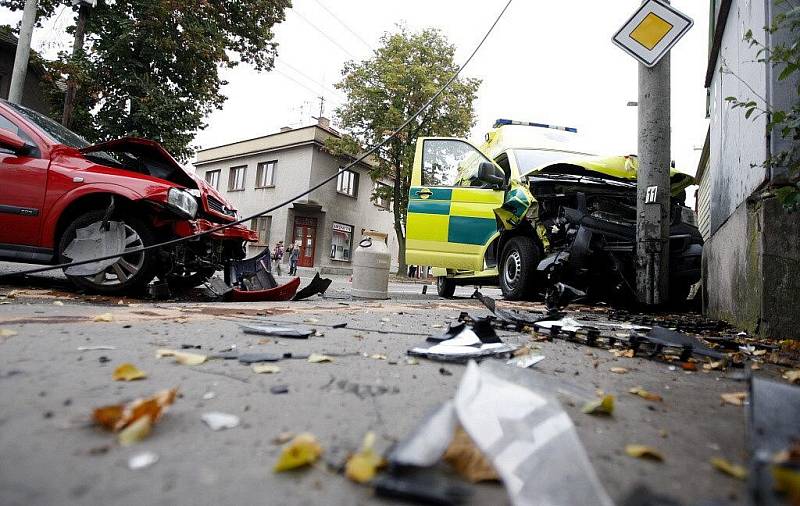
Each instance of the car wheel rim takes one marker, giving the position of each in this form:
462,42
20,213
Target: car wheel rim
126,267
512,268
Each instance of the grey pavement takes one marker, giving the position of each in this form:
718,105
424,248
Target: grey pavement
50,455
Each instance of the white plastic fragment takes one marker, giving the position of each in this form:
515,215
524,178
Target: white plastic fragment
526,361
96,348
220,421
142,460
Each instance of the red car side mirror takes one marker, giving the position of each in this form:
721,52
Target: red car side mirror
13,142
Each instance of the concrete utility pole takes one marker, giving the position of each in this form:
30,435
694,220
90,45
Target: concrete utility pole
77,47
23,53
653,185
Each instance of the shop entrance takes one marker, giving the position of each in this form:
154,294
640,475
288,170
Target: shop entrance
305,234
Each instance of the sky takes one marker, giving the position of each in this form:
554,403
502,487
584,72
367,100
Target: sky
548,62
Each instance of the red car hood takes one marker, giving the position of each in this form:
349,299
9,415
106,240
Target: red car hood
152,152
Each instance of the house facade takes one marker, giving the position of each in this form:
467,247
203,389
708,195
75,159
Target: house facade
751,260
258,173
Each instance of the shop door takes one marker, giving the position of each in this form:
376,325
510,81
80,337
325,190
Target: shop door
305,234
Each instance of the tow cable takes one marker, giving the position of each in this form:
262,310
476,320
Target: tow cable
325,181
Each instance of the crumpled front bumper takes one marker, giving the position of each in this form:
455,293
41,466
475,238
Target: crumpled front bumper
239,232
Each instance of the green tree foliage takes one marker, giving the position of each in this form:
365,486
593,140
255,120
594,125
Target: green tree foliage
150,67
785,58
401,76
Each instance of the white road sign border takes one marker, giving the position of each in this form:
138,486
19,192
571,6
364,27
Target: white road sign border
681,23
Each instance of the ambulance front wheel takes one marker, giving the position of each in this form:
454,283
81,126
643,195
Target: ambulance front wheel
517,268
445,287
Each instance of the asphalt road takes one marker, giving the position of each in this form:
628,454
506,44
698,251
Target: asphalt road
50,455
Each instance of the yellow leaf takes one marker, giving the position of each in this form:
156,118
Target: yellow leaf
738,472
136,431
128,372
105,317
643,452
792,376
623,353
712,366
361,467
317,358
602,406
467,459
735,398
619,370
378,356
7,333
301,451
644,394
266,369
182,357
118,416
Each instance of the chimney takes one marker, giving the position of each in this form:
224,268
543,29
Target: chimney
285,129
323,122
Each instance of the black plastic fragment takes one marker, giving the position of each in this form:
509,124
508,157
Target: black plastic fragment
422,486
253,358
279,389
317,285
689,345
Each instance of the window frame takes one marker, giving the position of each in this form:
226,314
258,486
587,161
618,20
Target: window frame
218,173
270,166
254,225
350,246
352,184
379,201
232,179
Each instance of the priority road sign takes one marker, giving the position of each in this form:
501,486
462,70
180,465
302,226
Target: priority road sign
652,31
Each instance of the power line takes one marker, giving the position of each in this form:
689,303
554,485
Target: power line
312,25
318,83
334,16
322,183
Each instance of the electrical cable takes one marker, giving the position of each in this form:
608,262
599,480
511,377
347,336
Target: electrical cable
322,183
334,16
315,27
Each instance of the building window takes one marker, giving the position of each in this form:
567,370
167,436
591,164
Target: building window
381,192
347,183
265,174
262,225
212,178
341,242
236,179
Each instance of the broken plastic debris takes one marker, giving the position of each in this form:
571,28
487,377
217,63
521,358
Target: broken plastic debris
619,370
316,358
128,372
220,421
96,348
317,285
461,343
602,406
279,389
105,317
276,331
362,466
526,361
98,239
142,460
300,451
723,465
643,452
182,357
266,369
253,358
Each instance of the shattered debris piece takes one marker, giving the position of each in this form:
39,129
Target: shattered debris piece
461,343
7,333
629,353
254,358
208,396
412,361
279,389
277,331
644,394
378,356
619,370
602,406
317,358
95,348
136,431
715,365
444,372
300,451
282,438
734,398
526,361
104,318
220,421
643,452
182,357
142,460
58,303
317,285
266,369
724,466
421,486
362,466
467,460
128,372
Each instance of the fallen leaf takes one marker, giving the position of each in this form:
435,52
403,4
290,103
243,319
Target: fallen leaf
58,303
792,376
361,467
116,417
689,366
714,365
602,406
467,460
136,431
723,465
643,452
7,333
266,369
182,357
12,294
378,356
644,394
300,451
105,317
623,353
128,372
619,370
412,361
735,398
316,358
220,421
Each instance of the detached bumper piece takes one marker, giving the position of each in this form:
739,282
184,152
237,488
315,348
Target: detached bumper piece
253,281
463,342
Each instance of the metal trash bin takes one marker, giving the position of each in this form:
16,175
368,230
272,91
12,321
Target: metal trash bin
371,262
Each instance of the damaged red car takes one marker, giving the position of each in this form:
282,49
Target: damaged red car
63,200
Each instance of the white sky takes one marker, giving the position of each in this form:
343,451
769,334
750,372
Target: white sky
550,62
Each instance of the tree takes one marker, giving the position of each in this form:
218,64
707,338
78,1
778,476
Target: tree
150,67
383,91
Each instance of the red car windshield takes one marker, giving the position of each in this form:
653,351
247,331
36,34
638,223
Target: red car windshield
55,131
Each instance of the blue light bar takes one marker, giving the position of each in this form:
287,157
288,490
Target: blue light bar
502,122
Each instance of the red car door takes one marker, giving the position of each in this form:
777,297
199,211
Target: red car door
23,182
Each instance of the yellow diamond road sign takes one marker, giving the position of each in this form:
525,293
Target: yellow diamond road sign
652,31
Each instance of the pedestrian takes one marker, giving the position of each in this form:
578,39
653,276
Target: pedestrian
294,255
277,256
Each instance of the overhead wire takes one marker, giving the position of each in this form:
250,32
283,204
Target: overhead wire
321,32
322,183
346,27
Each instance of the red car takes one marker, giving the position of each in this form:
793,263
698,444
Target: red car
58,192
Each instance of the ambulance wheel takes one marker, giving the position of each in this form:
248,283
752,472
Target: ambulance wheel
445,287
518,268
